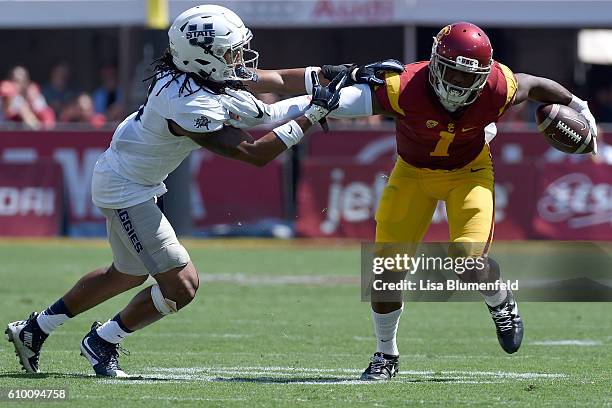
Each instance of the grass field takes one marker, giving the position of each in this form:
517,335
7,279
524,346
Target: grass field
281,324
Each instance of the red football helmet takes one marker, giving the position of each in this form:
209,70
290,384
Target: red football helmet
461,47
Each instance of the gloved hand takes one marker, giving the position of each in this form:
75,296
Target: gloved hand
324,98
582,107
248,111
363,74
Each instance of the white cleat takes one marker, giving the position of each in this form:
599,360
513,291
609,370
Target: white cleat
27,338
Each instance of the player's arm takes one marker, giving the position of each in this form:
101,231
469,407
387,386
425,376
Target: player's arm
234,143
355,101
358,101
237,144
546,90
540,89
280,81
297,80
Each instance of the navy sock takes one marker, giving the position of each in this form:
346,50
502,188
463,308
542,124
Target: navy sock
122,326
57,308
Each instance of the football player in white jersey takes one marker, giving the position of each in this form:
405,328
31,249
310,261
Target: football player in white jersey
197,86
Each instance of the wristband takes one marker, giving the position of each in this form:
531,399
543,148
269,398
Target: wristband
290,133
308,78
315,113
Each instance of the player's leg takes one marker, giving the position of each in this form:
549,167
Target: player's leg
470,210
92,289
403,216
144,233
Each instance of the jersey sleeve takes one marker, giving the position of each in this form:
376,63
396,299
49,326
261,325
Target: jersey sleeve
388,95
507,88
198,113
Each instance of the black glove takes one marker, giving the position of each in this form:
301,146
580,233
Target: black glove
331,71
325,98
368,74
363,74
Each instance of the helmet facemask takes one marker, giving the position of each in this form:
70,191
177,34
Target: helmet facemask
453,96
241,61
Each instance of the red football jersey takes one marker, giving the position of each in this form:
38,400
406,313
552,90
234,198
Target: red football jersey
428,135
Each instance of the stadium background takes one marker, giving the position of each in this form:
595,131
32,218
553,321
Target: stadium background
327,187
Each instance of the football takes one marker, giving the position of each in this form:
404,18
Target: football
564,128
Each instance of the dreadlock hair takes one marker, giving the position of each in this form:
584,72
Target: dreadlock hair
164,67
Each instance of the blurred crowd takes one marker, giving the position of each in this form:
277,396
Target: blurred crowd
35,107
30,105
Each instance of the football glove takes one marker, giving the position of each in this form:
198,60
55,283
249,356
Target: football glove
246,109
363,74
324,98
582,107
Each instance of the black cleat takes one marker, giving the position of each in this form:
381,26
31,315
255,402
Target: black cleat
381,367
27,338
102,355
508,323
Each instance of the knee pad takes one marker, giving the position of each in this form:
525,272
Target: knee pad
163,305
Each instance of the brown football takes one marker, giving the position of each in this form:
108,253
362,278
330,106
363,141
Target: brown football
564,128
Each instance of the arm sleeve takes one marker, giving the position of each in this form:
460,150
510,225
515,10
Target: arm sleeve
199,114
355,102
287,109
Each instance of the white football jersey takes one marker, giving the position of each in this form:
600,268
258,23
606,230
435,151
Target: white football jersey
143,151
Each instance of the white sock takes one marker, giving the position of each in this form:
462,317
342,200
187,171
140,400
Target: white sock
496,299
385,329
113,330
53,316
48,323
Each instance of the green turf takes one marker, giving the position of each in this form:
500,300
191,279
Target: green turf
267,344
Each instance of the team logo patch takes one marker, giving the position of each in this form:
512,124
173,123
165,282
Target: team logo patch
196,36
445,31
431,124
451,127
200,122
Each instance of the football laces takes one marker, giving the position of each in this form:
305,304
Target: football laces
571,133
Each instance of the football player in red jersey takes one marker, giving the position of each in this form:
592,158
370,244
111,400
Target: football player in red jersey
445,110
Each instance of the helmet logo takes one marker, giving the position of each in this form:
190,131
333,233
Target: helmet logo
205,36
445,31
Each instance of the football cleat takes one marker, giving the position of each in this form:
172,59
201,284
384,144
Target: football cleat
381,367
508,324
27,338
102,355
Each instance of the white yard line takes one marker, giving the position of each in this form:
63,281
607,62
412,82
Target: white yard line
158,397
304,375
268,280
566,343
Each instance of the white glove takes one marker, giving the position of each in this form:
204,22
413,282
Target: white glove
246,110
582,107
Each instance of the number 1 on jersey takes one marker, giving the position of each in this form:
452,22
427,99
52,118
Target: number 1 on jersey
446,138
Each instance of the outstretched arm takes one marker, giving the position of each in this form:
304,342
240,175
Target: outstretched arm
548,91
297,80
541,90
280,81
